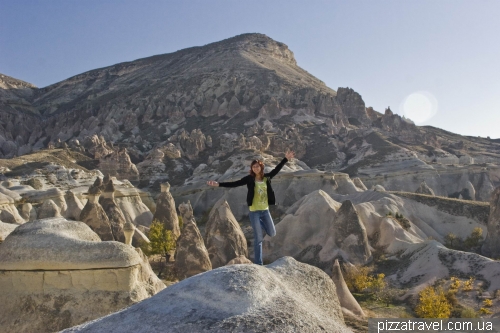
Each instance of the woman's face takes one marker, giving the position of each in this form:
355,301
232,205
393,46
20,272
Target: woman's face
256,168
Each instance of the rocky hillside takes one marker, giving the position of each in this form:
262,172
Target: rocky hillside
192,114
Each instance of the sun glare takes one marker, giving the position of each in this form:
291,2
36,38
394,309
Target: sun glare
419,106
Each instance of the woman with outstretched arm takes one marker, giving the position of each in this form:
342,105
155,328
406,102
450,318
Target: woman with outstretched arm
259,196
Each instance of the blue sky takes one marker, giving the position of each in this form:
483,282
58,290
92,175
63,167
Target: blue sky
385,50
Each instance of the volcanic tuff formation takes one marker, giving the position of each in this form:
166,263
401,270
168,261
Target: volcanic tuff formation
182,116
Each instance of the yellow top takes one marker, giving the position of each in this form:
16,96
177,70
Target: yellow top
260,196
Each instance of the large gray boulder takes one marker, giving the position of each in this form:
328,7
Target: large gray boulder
286,296
491,247
56,273
316,230
165,210
224,238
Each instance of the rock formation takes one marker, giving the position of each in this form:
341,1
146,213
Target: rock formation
316,231
286,296
28,212
491,246
129,199
224,238
128,231
75,206
115,215
359,183
56,273
350,234
118,164
95,217
191,255
347,301
424,189
165,210
239,260
6,229
426,262
49,209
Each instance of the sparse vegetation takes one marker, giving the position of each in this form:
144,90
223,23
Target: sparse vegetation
181,222
485,311
471,243
403,221
433,304
469,284
468,312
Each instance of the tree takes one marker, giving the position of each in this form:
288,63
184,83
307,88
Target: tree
433,304
387,295
449,240
475,238
162,242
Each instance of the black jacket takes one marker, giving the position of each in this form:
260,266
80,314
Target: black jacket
249,181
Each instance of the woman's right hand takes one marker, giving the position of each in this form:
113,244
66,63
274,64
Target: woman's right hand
212,183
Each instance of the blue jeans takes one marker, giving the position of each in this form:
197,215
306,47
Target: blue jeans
261,219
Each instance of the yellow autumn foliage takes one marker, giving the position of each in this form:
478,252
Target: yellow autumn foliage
433,304
488,303
469,284
455,283
359,279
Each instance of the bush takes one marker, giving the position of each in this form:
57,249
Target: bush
488,303
455,284
475,239
433,304
359,279
468,313
485,311
469,284
472,242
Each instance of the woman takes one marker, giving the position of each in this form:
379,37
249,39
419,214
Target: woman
260,195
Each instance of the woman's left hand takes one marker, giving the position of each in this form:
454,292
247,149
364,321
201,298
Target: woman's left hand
290,154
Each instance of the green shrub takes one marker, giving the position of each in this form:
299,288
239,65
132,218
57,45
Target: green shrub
468,313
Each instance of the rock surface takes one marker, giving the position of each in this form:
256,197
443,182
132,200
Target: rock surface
165,211
347,301
6,229
115,215
95,217
314,231
286,296
56,273
191,255
223,238
424,189
491,245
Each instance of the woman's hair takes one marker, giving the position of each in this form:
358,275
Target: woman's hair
261,164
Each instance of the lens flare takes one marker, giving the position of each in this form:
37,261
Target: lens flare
419,106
